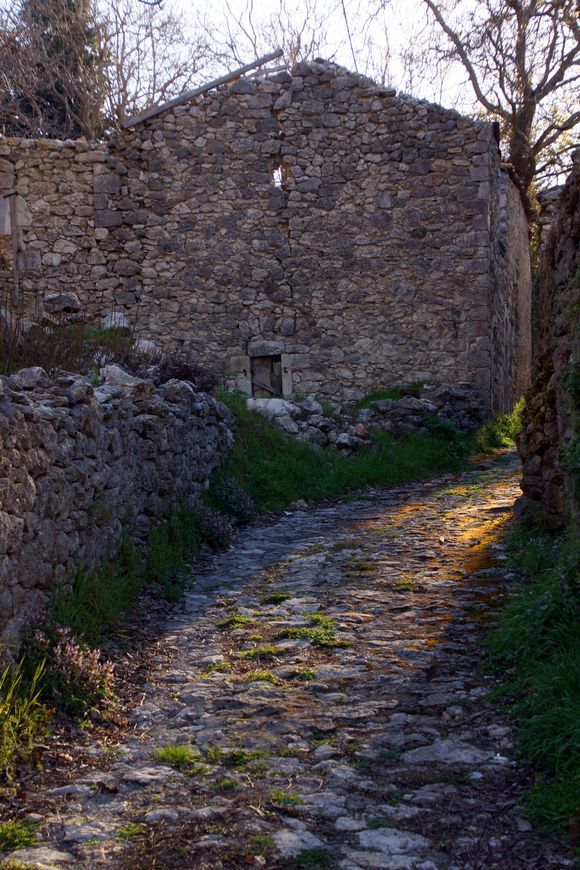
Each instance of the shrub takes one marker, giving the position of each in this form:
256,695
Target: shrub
74,679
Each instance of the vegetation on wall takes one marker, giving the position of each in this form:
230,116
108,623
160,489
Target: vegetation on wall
536,649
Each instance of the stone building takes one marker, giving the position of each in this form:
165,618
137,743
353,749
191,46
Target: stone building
310,231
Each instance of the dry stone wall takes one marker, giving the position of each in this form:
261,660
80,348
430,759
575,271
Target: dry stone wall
82,466
311,226
550,440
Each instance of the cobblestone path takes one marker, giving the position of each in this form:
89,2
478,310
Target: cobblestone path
318,703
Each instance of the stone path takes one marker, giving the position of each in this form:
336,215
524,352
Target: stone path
317,703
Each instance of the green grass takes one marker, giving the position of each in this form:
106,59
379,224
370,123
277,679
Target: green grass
260,652
177,755
319,633
536,646
303,674
98,602
317,858
16,835
236,620
276,470
128,831
23,717
285,798
260,677
500,432
275,598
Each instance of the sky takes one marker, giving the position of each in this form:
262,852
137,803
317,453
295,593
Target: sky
359,34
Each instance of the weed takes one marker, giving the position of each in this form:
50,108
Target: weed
276,470
285,798
260,652
260,676
304,674
177,755
317,858
23,716
320,634
260,844
128,831
236,620
16,835
275,598
395,392
225,784
239,758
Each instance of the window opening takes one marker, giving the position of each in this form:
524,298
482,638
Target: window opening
266,376
6,241
277,176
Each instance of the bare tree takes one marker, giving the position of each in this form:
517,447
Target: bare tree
71,68
152,56
298,28
521,60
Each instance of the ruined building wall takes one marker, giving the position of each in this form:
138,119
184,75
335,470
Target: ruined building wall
315,220
55,236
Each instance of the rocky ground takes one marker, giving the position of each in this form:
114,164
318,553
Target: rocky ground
318,702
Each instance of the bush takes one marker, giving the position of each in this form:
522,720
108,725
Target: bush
74,678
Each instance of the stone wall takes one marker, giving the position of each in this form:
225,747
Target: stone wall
311,223
82,466
56,237
550,441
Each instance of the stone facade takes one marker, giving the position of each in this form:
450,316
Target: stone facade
313,232
550,440
82,466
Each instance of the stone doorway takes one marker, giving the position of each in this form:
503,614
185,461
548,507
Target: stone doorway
266,376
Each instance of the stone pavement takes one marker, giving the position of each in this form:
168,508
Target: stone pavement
318,703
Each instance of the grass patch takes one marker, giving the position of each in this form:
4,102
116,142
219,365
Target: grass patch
260,844
177,755
260,677
319,633
537,647
128,831
500,432
236,620
23,717
303,674
259,653
285,798
275,598
16,835
276,470
318,858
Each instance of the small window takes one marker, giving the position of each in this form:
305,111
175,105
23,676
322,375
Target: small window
266,377
279,173
6,243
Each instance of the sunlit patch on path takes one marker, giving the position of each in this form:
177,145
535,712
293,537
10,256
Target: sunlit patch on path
318,702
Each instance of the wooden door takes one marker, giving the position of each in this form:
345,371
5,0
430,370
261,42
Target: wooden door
266,376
